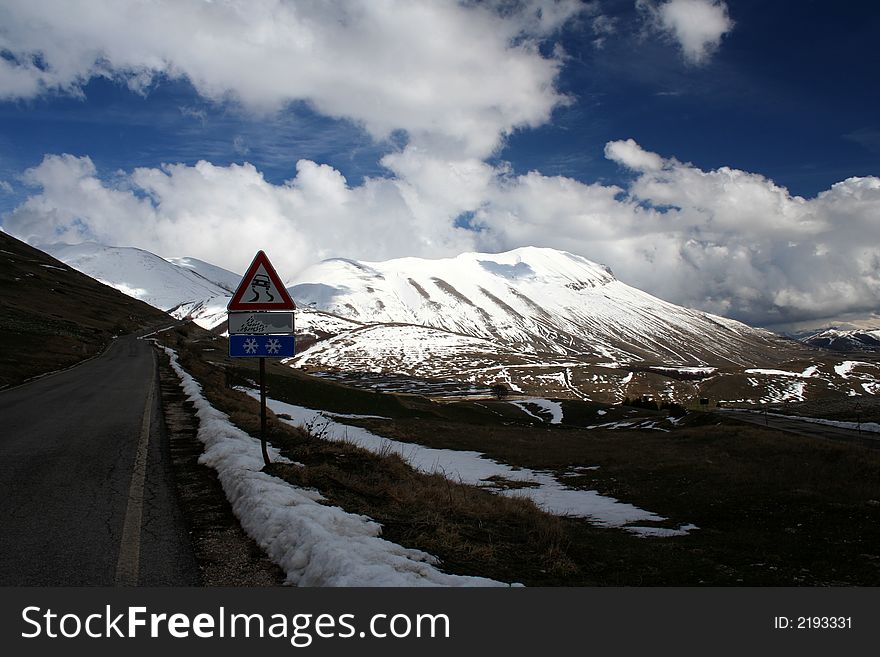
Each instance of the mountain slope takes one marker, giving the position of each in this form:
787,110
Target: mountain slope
222,277
52,316
183,287
854,340
535,301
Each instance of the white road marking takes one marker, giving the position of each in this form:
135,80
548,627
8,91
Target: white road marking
128,564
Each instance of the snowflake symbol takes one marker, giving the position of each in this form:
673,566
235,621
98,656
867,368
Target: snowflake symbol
273,346
250,346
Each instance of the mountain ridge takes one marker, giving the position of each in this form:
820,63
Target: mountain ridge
182,287
539,321
845,340
534,299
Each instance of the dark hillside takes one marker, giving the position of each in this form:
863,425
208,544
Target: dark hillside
52,316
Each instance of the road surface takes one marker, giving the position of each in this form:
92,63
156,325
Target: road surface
812,429
86,491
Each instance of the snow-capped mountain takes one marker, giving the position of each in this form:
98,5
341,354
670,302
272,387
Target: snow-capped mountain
183,287
854,340
222,277
552,323
540,321
533,301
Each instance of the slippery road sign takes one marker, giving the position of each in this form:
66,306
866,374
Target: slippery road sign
261,346
261,289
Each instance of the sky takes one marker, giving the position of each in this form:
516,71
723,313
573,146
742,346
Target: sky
720,155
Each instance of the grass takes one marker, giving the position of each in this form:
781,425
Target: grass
472,531
772,509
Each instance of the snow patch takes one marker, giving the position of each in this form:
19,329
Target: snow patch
552,408
475,469
315,544
846,367
797,375
661,531
685,370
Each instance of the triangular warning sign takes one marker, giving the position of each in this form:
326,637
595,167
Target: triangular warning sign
261,288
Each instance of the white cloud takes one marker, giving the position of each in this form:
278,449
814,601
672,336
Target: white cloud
454,76
225,214
194,113
697,26
632,156
723,240
240,146
457,78
602,27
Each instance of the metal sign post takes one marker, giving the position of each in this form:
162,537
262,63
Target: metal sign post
261,325
263,411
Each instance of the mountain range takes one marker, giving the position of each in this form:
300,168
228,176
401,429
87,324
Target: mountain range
852,340
533,301
539,321
182,287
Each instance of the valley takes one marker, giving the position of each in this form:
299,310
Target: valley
477,445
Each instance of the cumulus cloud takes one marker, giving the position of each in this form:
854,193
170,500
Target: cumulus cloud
632,156
456,76
203,210
723,240
727,241
697,26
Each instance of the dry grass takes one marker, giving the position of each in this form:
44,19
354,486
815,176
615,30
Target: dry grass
472,531
772,509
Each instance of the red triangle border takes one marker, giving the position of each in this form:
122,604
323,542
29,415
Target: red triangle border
236,304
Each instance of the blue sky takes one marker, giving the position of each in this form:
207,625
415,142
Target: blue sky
729,105
792,94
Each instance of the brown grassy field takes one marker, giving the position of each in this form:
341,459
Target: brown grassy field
772,509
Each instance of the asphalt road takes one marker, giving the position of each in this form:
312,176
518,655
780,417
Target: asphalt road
86,491
802,428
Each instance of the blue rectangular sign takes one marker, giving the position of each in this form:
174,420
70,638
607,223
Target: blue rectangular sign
261,346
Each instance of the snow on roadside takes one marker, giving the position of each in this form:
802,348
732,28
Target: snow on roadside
475,469
315,545
554,409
